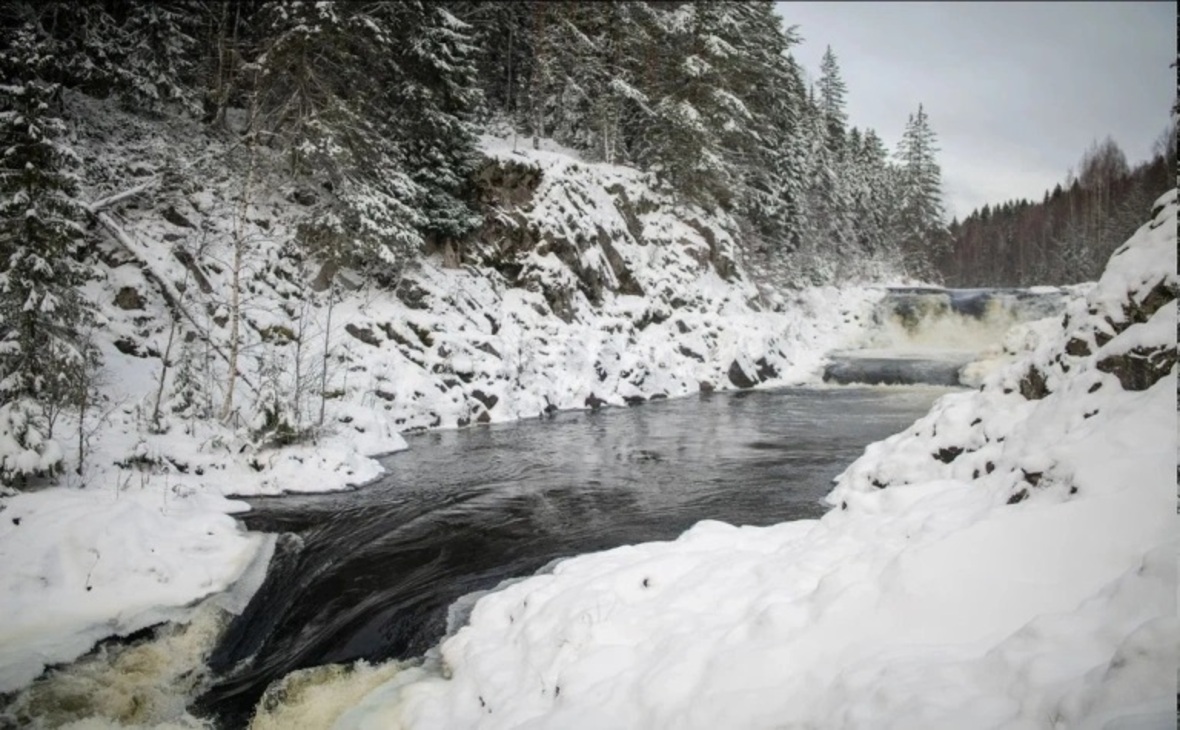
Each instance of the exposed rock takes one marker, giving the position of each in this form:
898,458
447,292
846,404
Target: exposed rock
127,347
506,184
128,298
173,216
627,283
738,377
303,196
186,259
766,371
689,353
425,336
411,294
1077,347
948,454
487,347
633,400
1141,367
364,334
489,401
1138,312
706,386
1032,385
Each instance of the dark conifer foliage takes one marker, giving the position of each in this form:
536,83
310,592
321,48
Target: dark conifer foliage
375,107
45,358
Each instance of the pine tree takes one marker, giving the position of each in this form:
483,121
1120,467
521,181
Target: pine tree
701,122
874,197
44,361
158,54
767,154
436,98
921,218
317,62
831,101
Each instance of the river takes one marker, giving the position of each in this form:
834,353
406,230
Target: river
372,573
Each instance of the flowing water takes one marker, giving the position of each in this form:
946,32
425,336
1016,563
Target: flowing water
373,573
928,335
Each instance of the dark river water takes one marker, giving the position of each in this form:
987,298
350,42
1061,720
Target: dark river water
371,573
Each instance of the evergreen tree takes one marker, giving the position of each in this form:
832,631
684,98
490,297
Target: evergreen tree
311,102
436,97
767,157
921,218
44,362
159,54
831,100
874,197
701,122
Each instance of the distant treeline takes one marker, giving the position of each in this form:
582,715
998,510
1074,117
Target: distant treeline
1068,235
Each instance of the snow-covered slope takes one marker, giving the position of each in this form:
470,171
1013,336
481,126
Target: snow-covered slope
584,288
1010,561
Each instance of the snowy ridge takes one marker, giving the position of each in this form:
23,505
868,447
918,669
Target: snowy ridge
1010,561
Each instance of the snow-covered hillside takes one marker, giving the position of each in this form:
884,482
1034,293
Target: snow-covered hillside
1009,561
584,288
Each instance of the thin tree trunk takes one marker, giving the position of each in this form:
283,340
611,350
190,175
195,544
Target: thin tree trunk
327,342
235,307
235,301
163,374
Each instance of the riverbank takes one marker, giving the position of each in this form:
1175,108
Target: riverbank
1010,560
611,294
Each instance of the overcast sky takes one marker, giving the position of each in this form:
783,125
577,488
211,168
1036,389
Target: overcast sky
1016,92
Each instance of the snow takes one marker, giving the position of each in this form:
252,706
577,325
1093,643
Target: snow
1003,562
145,531
1028,581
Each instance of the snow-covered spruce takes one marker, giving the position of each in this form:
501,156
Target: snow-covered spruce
1007,562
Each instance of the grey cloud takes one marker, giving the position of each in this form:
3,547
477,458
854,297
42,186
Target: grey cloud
1015,91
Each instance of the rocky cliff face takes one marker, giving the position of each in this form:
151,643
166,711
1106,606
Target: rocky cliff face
584,287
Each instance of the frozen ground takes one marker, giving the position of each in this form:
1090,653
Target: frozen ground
1009,561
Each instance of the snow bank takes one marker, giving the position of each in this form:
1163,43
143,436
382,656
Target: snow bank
1007,562
82,565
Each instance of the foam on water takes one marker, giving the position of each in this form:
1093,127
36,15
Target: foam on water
143,683
942,336
314,698
147,683
956,319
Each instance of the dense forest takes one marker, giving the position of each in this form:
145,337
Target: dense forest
1068,236
377,105
369,115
